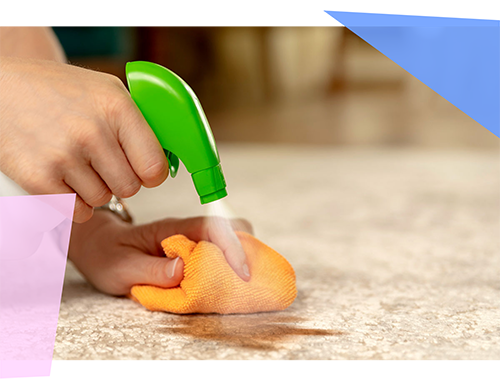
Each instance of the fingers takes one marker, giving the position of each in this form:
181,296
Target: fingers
83,211
88,185
242,225
217,230
42,184
221,233
114,168
110,171
140,144
162,272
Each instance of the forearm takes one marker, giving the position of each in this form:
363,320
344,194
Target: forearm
31,42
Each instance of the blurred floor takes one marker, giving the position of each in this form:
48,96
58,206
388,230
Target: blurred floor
356,117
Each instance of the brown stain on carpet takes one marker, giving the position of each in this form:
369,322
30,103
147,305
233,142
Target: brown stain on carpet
258,331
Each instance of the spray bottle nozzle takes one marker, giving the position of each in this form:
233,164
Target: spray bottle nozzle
210,184
175,115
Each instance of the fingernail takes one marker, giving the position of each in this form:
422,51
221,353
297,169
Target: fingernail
246,272
171,267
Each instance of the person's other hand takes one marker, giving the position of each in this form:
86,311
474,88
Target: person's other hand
67,129
114,255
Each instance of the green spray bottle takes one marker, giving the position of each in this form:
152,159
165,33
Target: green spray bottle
174,113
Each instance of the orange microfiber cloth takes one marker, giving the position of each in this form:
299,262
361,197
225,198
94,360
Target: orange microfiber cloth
211,286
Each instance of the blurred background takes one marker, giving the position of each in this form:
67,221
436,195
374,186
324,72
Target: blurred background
296,85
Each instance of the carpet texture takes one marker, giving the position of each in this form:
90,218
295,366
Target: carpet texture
396,254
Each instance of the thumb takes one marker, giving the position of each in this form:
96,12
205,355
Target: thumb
155,270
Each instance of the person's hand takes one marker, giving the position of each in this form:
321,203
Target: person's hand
66,129
114,255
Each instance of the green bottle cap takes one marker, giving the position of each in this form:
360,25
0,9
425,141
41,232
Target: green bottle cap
210,184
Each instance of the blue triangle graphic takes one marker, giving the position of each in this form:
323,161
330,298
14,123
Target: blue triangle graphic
457,58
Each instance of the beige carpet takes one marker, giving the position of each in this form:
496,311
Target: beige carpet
397,256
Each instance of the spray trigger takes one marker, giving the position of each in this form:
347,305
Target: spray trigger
173,163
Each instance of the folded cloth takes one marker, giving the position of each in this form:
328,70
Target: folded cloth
211,286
